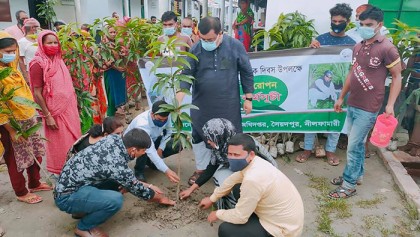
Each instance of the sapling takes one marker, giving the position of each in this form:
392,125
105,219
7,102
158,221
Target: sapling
168,84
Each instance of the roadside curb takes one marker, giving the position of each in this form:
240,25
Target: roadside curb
404,181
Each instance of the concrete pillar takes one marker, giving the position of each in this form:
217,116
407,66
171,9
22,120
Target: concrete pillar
205,8
146,9
223,13
78,12
126,8
230,17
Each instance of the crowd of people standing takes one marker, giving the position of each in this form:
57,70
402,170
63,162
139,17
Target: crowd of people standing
252,195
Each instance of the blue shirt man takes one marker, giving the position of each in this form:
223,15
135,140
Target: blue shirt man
156,125
340,18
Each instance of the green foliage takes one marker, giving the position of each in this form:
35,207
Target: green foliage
85,58
349,26
170,83
292,30
46,10
405,38
6,97
79,53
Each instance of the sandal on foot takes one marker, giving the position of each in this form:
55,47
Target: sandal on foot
342,193
95,232
194,177
332,159
42,187
303,157
339,181
30,198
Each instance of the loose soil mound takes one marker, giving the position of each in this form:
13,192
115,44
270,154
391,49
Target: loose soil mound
183,213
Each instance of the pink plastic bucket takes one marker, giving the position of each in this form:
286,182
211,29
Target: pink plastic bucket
383,130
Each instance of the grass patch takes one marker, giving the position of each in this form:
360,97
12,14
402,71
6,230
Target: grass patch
370,203
324,223
372,221
328,206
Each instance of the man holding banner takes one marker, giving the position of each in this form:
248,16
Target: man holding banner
216,85
324,88
373,58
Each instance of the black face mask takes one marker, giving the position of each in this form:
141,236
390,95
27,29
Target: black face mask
338,28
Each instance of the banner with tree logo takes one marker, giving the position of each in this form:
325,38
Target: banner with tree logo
295,90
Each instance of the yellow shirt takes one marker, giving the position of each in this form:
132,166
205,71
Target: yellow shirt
20,112
15,81
268,193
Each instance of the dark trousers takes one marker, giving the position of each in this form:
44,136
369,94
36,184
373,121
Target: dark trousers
144,159
252,228
16,178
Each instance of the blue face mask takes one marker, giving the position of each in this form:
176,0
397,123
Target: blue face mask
159,123
186,31
169,31
8,58
208,46
367,32
238,164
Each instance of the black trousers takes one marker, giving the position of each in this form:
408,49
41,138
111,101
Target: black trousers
144,159
252,228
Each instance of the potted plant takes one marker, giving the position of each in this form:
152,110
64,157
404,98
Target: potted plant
291,30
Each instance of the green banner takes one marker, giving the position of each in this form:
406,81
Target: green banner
295,90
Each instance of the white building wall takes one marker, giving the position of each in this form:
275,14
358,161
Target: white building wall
15,5
135,8
67,13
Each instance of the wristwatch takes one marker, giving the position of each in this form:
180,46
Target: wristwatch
249,99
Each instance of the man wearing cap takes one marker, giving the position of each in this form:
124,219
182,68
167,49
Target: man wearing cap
16,30
28,46
322,89
340,18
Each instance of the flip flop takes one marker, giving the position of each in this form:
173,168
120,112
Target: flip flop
42,187
303,157
30,198
341,193
332,159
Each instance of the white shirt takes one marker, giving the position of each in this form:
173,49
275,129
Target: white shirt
144,121
27,49
354,33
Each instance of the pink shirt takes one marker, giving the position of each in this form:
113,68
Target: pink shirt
15,31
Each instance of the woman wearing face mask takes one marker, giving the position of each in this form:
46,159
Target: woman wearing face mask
217,132
19,153
53,91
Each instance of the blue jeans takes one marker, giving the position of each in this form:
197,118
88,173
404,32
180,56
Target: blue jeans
330,146
359,123
98,205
